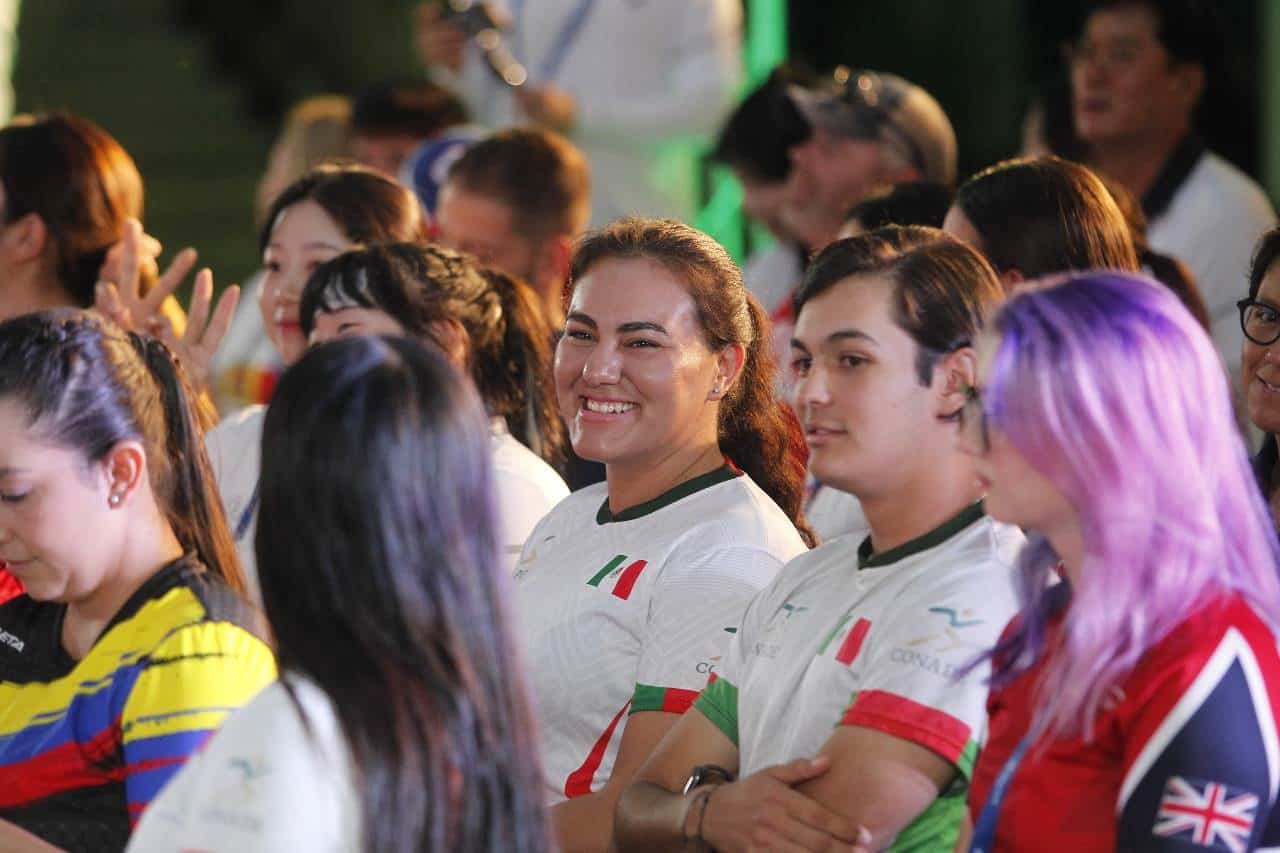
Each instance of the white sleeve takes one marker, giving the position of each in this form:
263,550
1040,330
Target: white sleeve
910,685
260,784
704,67
694,613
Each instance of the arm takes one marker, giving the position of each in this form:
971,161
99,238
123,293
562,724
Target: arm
878,781
15,839
586,823
652,812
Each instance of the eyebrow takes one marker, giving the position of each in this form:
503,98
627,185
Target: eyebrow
633,326
851,334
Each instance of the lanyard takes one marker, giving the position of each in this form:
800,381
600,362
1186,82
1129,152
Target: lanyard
984,834
246,516
569,31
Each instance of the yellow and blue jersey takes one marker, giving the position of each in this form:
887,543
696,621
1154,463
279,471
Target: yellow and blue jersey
85,745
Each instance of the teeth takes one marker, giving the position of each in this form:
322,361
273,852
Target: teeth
608,408
1270,387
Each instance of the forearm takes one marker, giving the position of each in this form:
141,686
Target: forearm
15,839
585,823
650,817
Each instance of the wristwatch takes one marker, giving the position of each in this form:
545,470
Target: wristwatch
704,773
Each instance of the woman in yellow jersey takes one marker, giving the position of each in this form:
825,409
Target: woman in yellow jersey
131,643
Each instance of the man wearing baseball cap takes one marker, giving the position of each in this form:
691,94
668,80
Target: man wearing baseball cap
870,129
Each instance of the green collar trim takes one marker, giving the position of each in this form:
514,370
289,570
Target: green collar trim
869,560
705,481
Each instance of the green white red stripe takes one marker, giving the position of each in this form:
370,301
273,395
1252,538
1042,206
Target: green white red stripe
618,578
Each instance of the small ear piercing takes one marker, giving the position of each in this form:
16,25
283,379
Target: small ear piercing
115,499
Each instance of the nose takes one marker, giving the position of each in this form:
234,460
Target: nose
811,390
603,366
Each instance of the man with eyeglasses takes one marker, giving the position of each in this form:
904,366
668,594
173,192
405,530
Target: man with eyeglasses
870,129
1137,75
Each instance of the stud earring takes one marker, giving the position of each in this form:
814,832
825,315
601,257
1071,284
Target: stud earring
115,499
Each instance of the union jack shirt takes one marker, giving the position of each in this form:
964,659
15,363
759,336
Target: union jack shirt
1185,756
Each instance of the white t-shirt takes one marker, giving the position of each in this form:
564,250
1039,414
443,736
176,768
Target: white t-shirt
526,487
1212,225
263,782
886,631
235,452
631,613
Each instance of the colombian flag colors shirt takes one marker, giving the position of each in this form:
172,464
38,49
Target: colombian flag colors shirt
85,745
631,612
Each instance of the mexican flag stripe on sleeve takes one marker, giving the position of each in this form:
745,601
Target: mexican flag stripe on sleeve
672,700
623,580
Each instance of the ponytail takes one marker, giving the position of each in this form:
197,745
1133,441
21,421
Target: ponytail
187,494
761,434
525,359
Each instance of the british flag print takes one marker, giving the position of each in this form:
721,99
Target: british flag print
1208,814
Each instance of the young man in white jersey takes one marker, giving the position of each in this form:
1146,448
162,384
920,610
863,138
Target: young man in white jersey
838,704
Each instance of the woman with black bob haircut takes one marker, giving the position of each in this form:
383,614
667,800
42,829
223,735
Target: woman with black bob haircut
131,643
490,326
400,722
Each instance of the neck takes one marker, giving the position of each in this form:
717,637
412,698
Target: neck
29,288
633,483
899,516
145,552
1068,544
1136,162
551,293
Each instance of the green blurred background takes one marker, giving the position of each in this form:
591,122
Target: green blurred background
194,89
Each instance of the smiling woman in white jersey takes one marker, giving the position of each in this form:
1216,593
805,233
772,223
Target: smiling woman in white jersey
850,655
628,591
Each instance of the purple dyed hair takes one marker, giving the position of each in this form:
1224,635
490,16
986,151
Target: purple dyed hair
1110,389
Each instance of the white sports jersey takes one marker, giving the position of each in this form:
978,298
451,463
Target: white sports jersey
263,782
526,488
886,631
631,612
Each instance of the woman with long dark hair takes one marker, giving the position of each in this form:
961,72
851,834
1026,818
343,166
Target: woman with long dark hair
332,209
490,326
131,643
400,722
1135,695
665,374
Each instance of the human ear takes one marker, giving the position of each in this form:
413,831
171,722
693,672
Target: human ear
124,469
953,375
453,340
25,239
730,362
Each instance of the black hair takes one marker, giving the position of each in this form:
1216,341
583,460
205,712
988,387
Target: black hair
405,108
910,203
508,338
1043,215
382,583
760,132
942,289
757,431
87,385
368,206
1190,30
1264,256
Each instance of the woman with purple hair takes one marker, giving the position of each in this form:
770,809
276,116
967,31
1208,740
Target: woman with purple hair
1134,698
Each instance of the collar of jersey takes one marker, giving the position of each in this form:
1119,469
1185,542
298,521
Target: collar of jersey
704,481
869,560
